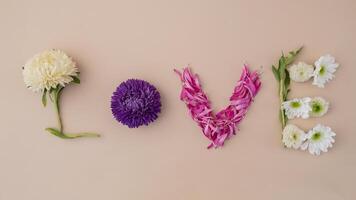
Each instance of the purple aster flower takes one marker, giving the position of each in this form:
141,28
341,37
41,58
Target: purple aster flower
135,103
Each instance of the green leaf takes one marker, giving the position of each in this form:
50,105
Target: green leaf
299,50
44,98
56,133
287,80
275,73
282,68
59,134
292,55
50,94
76,79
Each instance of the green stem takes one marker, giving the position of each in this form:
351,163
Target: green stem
84,134
59,132
57,108
282,99
70,136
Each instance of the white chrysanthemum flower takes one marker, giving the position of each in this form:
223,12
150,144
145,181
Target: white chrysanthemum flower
297,108
324,69
301,72
49,69
293,136
319,107
320,138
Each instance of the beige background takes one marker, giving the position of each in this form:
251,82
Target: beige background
116,40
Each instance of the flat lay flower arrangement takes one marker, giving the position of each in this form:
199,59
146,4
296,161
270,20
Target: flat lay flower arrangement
137,102
49,73
320,138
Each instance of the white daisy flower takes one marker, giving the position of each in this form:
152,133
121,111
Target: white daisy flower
293,136
324,69
319,107
297,108
301,72
49,69
320,138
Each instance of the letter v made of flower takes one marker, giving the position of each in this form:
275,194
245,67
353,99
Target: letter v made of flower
220,127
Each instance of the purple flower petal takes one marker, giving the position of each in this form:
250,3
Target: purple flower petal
135,103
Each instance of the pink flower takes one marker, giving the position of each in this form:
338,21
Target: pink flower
220,127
